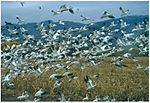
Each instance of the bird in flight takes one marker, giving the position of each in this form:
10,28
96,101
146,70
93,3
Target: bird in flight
22,3
19,20
85,18
64,8
55,12
40,7
123,12
106,14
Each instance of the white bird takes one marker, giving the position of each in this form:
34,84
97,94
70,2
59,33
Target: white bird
82,67
96,99
89,82
86,98
23,30
67,74
147,68
19,20
123,12
24,95
55,12
56,76
106,14
72,78
66,8
58,83
12,31
127,55
85,18
36,100
7,77
138,66
112,24
123,24
137,27
39,93
61,22
62,99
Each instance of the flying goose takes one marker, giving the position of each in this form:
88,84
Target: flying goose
55,12
86,98
138,66
61,22
22,3
19,20
112,24
68,8
12,31
123,12
106,14
89,82
8,23
85,18
39,93
58,83
62,99
147,68
23,30
56,76
96,99
67,74
24,95
123,24
137,27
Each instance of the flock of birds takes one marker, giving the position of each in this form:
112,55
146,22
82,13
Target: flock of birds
97,44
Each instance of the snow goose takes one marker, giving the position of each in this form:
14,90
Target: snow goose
106,14
39,93
85,18
19,20
137,27
89,82
123,12
55,12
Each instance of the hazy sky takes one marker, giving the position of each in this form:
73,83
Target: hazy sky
93,9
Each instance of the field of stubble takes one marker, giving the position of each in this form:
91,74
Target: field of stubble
120,83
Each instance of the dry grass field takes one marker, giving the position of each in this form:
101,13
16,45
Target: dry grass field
120,83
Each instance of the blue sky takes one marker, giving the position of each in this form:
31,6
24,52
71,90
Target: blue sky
93,9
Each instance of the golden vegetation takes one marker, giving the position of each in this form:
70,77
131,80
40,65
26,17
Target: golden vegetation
120,83
9,43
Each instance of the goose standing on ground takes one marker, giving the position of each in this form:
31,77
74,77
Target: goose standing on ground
123,12
106,14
